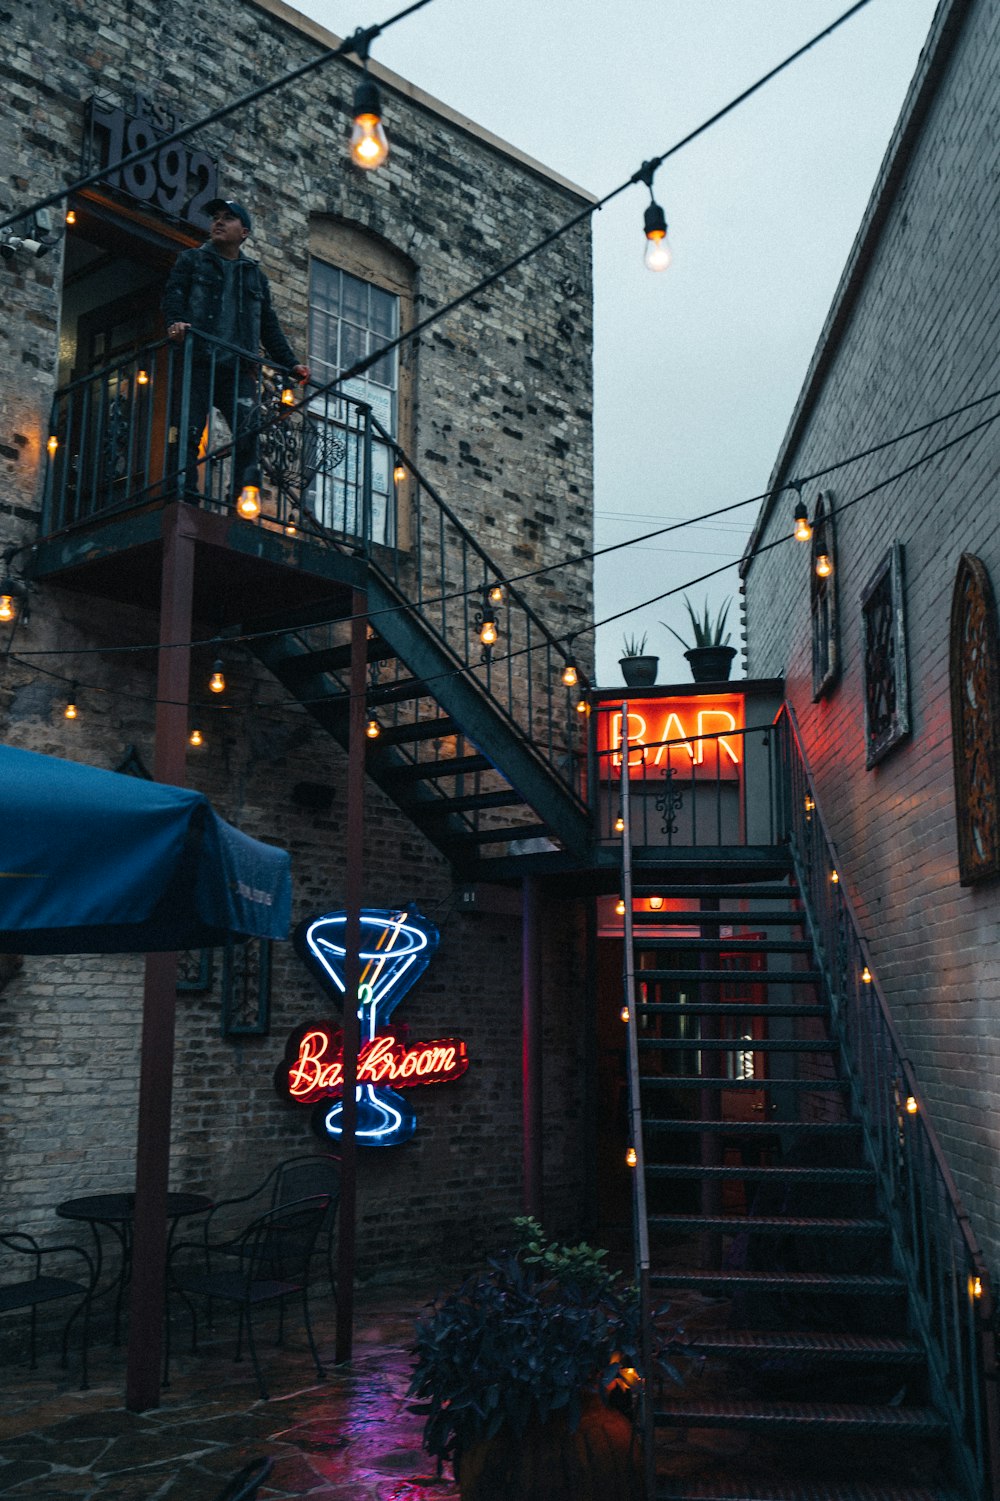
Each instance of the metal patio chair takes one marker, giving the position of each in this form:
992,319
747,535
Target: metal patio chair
29,1291
295,1178
244,1485
268,1261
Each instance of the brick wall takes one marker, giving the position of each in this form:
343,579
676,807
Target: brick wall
919,339
502,426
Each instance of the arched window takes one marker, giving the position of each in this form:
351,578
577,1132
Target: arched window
823,601
975,721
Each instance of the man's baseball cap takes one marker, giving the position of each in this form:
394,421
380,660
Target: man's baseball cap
217,205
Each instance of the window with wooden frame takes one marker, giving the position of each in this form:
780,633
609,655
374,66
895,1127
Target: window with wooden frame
975,721
823,601
883,652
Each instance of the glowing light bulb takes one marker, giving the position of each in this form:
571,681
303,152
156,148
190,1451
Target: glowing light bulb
620,906
287,396
658,254
196,737
619,825
291,529
495,594
656,904
399,475
569,675
71,216
824,563
373,729
8,609
70,711
623,1013
834,877
582,706
52,445
368,147
809,804
249,502
142,378
217,681
975,1287
803,530
911,1105
488,634
630,1157
866,975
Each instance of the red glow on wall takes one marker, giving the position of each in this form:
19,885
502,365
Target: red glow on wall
317,1069
696,728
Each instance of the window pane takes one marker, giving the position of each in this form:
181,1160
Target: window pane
354,299
384,314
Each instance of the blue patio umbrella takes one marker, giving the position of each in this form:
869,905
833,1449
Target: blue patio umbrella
94,861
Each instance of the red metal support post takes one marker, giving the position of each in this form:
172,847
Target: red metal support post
531,1048
352,976
156,1067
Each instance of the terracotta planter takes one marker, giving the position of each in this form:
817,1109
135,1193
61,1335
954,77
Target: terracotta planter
599,1462
711,664
639,672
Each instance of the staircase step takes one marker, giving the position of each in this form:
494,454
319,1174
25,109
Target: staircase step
690,917
808,1491
868,1284
721,976
864,1348
472,803
740,1044
395,693
330,659
770,1128
440,728
762,1174
718,891
727,1008
738,1224
841,1418
725,945
430,771
501,836
708,1081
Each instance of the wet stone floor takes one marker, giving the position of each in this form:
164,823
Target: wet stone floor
350,1437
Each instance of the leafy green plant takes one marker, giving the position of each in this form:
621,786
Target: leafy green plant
707,632
634,646
536,1331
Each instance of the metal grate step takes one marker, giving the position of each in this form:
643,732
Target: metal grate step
764,1174
719,890
731,976
770,1128
423,771
727,1008
740,1224
689,916
866,1284
841,1418
746,946
863,1348
708,1081
741,1044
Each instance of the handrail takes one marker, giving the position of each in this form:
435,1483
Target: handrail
951,1297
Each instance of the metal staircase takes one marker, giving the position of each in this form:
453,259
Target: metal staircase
790,1199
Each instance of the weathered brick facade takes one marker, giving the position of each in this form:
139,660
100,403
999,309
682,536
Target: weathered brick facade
500,415
912,334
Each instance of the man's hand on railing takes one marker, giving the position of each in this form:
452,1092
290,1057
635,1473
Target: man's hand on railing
176,332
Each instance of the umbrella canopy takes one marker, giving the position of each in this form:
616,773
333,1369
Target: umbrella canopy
96,862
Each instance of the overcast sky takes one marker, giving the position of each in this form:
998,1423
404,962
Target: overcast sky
696,370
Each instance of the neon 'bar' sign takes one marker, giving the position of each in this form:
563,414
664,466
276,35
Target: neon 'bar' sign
696,726
396,948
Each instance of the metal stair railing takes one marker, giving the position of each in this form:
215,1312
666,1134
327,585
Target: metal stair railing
951,1300
331,472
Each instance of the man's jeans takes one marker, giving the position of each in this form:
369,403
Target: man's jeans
231,388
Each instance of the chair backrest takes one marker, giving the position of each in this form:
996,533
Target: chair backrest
280,1243
245,1485
301,1177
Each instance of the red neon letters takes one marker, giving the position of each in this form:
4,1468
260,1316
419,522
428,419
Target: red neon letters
317,1070
694,727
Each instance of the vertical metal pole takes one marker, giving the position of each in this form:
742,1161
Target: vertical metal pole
352,976
590,1071
531,1047
156,1064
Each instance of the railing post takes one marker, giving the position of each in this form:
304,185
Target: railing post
367,522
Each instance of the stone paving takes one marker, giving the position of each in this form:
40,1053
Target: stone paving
348,1438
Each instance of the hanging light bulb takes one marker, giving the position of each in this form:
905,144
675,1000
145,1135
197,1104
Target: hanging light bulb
291,530
620,824
71,711
71,216
8,607
142,378
620,906
373,729
570,677
287,396
369,147
495,594
822,560
834,877
52,446
217,681
656,904
975,1287
13,593
582,706
196,738
803,529
630,1157
248,504
488,633
623,1013
658,254
866,976
809,803
911,1105
399,473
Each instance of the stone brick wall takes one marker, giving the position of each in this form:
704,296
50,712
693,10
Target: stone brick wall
502,422
919,339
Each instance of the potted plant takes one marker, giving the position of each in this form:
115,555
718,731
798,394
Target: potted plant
711,656
524,1375
638,669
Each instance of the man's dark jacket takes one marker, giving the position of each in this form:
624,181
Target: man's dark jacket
194,295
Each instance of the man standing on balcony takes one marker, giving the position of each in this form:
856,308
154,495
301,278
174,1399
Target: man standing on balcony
215,289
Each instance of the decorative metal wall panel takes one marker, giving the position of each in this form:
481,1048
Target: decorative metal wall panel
883,635
823,603
194,971
975,721
246,989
